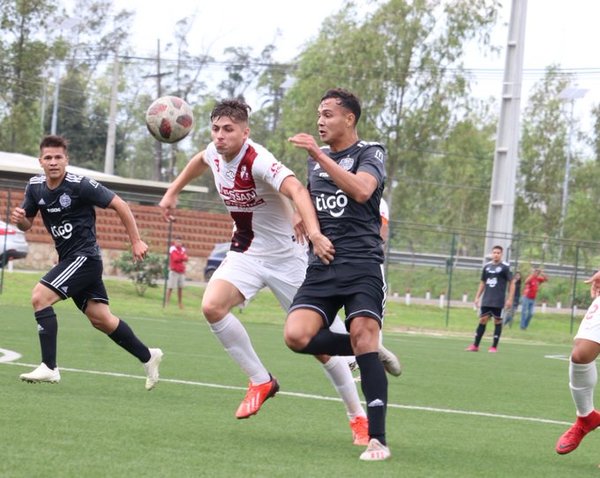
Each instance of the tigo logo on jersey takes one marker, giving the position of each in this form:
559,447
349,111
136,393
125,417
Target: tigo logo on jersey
65,230
334,205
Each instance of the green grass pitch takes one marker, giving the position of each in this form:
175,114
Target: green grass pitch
451,413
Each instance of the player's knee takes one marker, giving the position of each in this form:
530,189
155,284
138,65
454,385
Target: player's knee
294,339
39,300
582,356
213,311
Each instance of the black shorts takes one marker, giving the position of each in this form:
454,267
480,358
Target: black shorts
77,277
359,288
495,312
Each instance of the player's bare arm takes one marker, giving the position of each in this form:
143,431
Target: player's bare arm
594,282
359,186
195,168
18,218
478,293
511,294
294,190
299,229
138,247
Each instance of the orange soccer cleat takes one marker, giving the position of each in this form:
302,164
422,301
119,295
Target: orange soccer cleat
360,431
255,397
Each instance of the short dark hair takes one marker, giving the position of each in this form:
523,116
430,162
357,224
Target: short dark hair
346,99
498,247
235,109
54,141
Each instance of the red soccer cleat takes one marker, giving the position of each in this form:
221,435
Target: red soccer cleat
573,436
255,397
360,431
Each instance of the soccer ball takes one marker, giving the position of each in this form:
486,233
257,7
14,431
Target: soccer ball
169,119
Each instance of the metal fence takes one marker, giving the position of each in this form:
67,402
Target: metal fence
432,261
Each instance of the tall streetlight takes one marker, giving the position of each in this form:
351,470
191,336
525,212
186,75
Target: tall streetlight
568,94
66,24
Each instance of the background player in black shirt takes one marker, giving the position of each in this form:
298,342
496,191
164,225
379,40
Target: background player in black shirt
495,277
346,180
66,203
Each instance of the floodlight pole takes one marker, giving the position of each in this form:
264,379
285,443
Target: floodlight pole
502,192
111,137
568,94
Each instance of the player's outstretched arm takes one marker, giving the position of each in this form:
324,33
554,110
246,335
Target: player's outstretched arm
294,190
193,169
138,247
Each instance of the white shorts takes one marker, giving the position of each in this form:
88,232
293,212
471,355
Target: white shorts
590,325
250,274
176,280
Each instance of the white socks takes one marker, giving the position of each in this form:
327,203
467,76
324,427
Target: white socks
582,381
340,375
232,334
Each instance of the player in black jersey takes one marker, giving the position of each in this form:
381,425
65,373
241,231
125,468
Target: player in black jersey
346,180
495,278
66,203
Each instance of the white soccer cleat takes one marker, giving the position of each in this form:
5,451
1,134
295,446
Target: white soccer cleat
151,368
375,451
390,361
41,374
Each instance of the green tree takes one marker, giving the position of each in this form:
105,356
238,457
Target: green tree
405,62
543,157
23,65
144,273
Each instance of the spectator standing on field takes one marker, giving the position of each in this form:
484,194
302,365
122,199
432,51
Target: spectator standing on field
530,290
495,278
510,312
177,261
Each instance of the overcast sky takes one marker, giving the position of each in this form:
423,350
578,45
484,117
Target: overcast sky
564,32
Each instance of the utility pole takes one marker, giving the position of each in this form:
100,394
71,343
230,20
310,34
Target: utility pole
569,94
54,124
157,172
109,157
502,194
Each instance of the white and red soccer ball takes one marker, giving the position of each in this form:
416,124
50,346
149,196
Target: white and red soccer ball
169,119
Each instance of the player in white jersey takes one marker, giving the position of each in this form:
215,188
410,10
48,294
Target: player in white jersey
257,189
583,375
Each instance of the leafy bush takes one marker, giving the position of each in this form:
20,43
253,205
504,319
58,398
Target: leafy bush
144,274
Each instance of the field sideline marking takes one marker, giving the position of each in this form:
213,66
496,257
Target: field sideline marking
310,396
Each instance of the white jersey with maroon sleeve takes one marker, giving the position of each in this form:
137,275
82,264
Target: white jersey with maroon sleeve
249,187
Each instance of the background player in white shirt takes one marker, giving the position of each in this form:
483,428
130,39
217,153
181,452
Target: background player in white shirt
257,189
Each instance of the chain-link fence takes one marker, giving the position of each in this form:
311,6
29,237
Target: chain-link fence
429,262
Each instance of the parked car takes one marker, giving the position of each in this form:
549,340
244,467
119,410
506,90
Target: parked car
13,244
215,258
